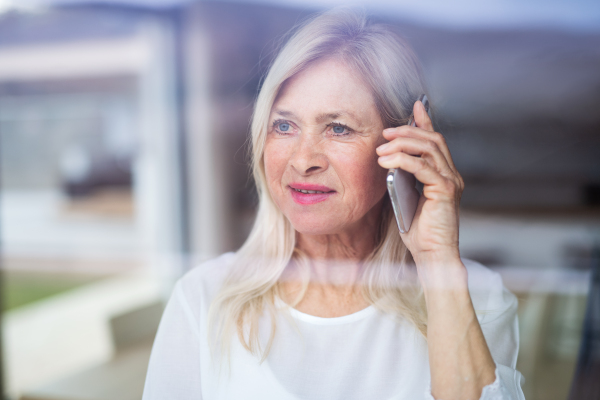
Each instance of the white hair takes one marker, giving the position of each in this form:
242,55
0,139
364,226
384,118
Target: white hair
389,281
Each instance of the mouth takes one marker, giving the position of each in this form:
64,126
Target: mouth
304,194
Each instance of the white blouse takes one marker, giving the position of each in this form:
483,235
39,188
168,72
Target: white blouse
365,355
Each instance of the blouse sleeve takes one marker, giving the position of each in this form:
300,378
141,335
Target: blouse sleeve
174,367
500,326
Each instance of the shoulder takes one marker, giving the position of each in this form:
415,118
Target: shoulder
200,284
490,297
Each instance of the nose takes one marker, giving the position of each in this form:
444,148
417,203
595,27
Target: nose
309,157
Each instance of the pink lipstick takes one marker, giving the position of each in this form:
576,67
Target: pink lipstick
306,193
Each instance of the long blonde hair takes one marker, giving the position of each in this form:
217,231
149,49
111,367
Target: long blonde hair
389,282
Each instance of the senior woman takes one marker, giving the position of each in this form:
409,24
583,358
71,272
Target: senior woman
326,299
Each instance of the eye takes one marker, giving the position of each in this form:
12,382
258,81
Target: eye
282,127
338,129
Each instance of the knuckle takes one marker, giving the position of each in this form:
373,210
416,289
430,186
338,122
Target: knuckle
461,181
439,138
450,186
431,146
421,163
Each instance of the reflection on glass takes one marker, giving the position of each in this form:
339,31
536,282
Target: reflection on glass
112,118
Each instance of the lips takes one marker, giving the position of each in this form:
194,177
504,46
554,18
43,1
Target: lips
304,193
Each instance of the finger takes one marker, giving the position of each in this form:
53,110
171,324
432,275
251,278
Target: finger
417,147
421,117
410,131
423,171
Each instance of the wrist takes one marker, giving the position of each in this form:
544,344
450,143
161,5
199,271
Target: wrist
441,271
446,258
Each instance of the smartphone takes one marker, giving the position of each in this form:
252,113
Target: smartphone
402,187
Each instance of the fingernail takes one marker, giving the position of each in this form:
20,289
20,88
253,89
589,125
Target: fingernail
382,147
385,158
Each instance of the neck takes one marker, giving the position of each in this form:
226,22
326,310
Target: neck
336,259
335,264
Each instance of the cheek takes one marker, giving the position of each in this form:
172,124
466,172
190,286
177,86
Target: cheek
364,178
275,161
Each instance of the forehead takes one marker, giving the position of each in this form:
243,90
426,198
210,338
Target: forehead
327,89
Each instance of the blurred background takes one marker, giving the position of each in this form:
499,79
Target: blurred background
123,164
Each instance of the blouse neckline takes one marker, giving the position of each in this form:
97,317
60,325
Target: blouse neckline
313,319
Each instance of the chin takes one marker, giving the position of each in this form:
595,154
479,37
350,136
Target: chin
314,225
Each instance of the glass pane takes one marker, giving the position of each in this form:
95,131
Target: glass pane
124,138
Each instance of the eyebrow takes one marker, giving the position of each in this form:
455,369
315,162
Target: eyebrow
321,117
287,114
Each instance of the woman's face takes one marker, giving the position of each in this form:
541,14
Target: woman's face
319,157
